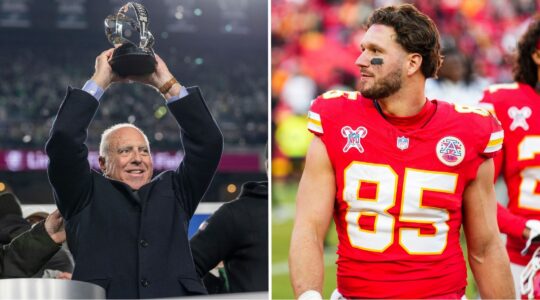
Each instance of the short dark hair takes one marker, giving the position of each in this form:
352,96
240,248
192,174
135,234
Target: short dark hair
525,69
416,33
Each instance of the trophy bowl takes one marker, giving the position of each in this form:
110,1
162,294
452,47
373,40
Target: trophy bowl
130,60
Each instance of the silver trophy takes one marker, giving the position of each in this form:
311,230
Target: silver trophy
128,32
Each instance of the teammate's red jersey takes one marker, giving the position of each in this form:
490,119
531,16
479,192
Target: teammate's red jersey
399,194
517,107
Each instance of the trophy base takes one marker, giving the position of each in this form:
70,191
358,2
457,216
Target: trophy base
130,60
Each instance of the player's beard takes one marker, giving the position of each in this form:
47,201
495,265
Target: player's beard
383,87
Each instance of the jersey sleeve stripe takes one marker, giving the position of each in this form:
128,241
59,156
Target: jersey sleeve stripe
495,142
314,122
314,127
493,148
318,123
499,135
314,116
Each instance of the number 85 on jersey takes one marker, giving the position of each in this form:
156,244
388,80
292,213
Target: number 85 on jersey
415,183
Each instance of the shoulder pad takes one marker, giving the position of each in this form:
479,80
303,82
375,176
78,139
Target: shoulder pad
336,94
482,111
503,86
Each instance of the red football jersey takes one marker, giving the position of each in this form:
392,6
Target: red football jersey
399,194
517,107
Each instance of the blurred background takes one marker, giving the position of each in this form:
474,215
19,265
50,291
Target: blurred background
314,46
46,45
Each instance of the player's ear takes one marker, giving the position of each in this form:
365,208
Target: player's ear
536,57
414,62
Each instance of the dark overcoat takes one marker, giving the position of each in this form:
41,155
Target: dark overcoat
237,234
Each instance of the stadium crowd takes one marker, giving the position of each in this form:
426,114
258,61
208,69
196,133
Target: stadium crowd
315,42
237,97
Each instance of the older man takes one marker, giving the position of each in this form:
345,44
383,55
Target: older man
127,231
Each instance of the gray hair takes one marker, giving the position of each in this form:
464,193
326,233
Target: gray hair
104,143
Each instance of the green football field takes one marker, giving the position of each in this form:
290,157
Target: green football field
283,197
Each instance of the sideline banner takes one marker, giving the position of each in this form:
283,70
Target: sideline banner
37,160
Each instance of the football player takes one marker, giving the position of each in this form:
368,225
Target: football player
517,106
400,174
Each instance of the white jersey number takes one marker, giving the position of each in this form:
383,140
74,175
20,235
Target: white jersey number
381,236
530,176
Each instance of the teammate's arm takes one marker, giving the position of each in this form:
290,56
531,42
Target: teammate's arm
314,207
487,255
510,224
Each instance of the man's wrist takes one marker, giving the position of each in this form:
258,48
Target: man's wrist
92,88
57,238
102,83
173,91
40,229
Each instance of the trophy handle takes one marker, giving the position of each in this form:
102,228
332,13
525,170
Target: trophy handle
114,25
147,39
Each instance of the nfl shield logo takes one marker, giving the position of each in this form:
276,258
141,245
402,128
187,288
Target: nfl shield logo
402,143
